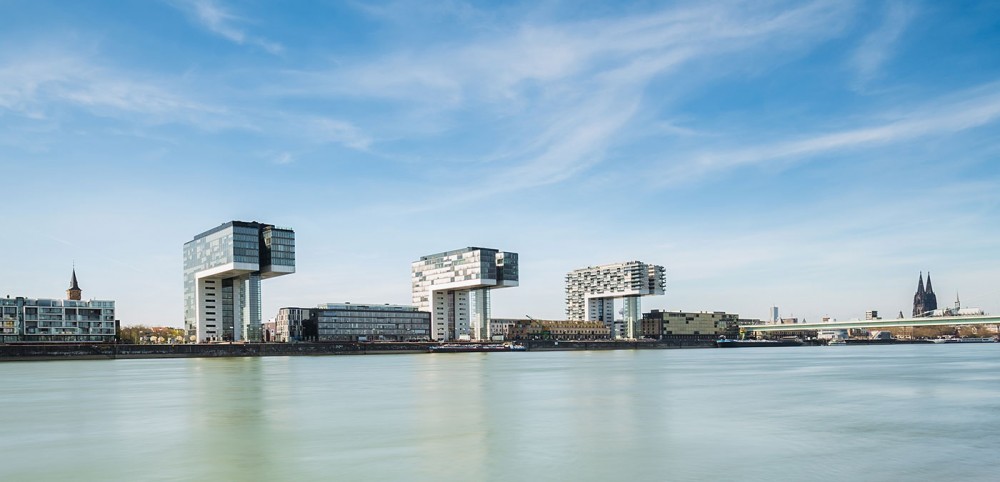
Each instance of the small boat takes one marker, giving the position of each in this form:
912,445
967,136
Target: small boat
475,347
836,341
727,343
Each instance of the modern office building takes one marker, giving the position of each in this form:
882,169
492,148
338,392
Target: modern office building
659,324
223,268
591,293
454,286
294,324
353,322
51,320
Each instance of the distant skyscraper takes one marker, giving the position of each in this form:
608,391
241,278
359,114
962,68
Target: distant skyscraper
223,268
455,287
924,299
774,314
591,291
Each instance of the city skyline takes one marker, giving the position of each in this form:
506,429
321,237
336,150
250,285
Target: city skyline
814,156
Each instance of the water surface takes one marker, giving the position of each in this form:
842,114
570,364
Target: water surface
920,412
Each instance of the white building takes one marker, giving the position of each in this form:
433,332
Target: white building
29,319
52,320
592,291
454,287
223,268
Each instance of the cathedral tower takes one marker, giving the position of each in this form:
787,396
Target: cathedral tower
918,298
930,299
924,299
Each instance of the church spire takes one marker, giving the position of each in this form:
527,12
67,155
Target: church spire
919,298
930,299
74,292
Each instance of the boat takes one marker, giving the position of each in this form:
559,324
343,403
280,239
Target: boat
836,341
475,347
728,343
966,340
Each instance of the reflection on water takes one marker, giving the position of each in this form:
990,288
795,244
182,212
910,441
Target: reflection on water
926,412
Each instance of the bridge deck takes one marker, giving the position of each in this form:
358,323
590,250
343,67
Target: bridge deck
901,322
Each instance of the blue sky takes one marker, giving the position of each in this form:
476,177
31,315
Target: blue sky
811,155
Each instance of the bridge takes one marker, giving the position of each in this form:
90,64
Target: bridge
897,323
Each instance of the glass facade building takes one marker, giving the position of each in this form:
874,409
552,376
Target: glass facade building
351,322
454,286
223,268
51,320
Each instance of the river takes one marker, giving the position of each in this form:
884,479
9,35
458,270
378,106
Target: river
917,412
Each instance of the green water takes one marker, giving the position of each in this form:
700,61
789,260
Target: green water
923,412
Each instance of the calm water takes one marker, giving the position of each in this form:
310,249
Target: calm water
929,412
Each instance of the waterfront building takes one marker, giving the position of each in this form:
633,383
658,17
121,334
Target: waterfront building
454,286
223,268
592,291
531,329
25,319
268,331
292,324
657,324
924,300
872,315
500,327
353,322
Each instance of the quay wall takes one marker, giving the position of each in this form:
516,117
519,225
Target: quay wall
98,351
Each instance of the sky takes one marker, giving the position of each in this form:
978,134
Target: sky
816,156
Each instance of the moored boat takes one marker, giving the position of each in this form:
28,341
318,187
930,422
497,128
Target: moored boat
475,347
727,343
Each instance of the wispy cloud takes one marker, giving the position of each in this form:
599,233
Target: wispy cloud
560,93
337,131
282,158
876,48
953,113
34,86
218,19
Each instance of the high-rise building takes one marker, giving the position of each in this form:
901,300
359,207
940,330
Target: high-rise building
924,300
223,268
591,292
454,286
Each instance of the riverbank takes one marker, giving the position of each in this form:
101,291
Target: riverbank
83,351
